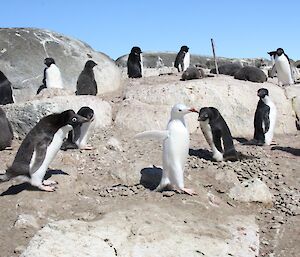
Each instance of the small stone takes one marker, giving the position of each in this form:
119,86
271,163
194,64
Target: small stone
25,221
168,193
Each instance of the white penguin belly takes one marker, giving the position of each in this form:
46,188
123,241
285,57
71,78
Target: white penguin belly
53,77
272,117
175,152
283,69
186,61
84,135
38,176
206,130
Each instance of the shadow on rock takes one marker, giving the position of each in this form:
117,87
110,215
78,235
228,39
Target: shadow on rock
201,153
150,177
291,150
16,189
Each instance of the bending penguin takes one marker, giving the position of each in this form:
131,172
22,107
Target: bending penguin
264,118
215,128
182,60
282,67
135,63
39,148
6,135
176,142
86,83
78,137
6,93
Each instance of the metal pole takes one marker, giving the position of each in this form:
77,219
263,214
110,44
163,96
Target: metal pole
215,59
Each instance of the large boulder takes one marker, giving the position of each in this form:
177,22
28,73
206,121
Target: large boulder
24,116
147,106
157,232
23,51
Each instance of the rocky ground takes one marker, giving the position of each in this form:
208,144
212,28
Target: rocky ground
107,194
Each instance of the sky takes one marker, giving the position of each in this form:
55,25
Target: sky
240,28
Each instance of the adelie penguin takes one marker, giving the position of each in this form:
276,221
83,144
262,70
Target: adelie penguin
79,136
86,83
182,60
217,133
6,93
282,67
6,132
39,148
52,76
264,118
135,63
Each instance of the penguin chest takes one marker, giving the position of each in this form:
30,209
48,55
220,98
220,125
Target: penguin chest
53,77
207,132
186,61
283,69
176,146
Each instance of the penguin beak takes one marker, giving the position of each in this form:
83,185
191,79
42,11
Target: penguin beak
193,110
81,119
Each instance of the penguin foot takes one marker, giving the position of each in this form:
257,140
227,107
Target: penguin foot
47,188
87,147
188,191
48,182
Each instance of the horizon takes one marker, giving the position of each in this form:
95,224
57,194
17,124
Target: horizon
239,30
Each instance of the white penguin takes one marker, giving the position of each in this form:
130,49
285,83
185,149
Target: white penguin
186,61
176,141
282,67
52,74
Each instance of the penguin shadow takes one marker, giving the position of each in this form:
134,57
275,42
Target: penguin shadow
201,153
291,150
151,177
16,189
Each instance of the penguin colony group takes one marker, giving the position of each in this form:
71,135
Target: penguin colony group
70,130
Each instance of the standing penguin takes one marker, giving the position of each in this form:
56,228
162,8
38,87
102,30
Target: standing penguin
215,128
182,61
52,77
282,67
78,137
176,141
86,83
39,148
135,63
6,94
6,134
264,118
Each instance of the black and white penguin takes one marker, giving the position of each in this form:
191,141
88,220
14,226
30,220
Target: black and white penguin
86,83
6,93
214,129
135,63
182,60
52,76
264,118
79,136
6,134
282,67
39,148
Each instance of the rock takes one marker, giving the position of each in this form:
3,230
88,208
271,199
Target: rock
127,233
24,116
253,190
25,221
24,68
114,144
152,101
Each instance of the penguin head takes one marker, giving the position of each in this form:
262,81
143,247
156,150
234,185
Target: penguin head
90,64
262,92
179,110
72,118
279,51
136,50
204,114
49,61
86,112
184,49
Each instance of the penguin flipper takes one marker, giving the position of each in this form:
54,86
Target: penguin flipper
40,153
153,134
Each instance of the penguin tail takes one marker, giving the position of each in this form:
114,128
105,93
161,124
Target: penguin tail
4,177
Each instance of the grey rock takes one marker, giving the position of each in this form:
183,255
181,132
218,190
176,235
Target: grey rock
23,50
25,221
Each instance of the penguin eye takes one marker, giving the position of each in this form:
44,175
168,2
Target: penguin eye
180,110
74,119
